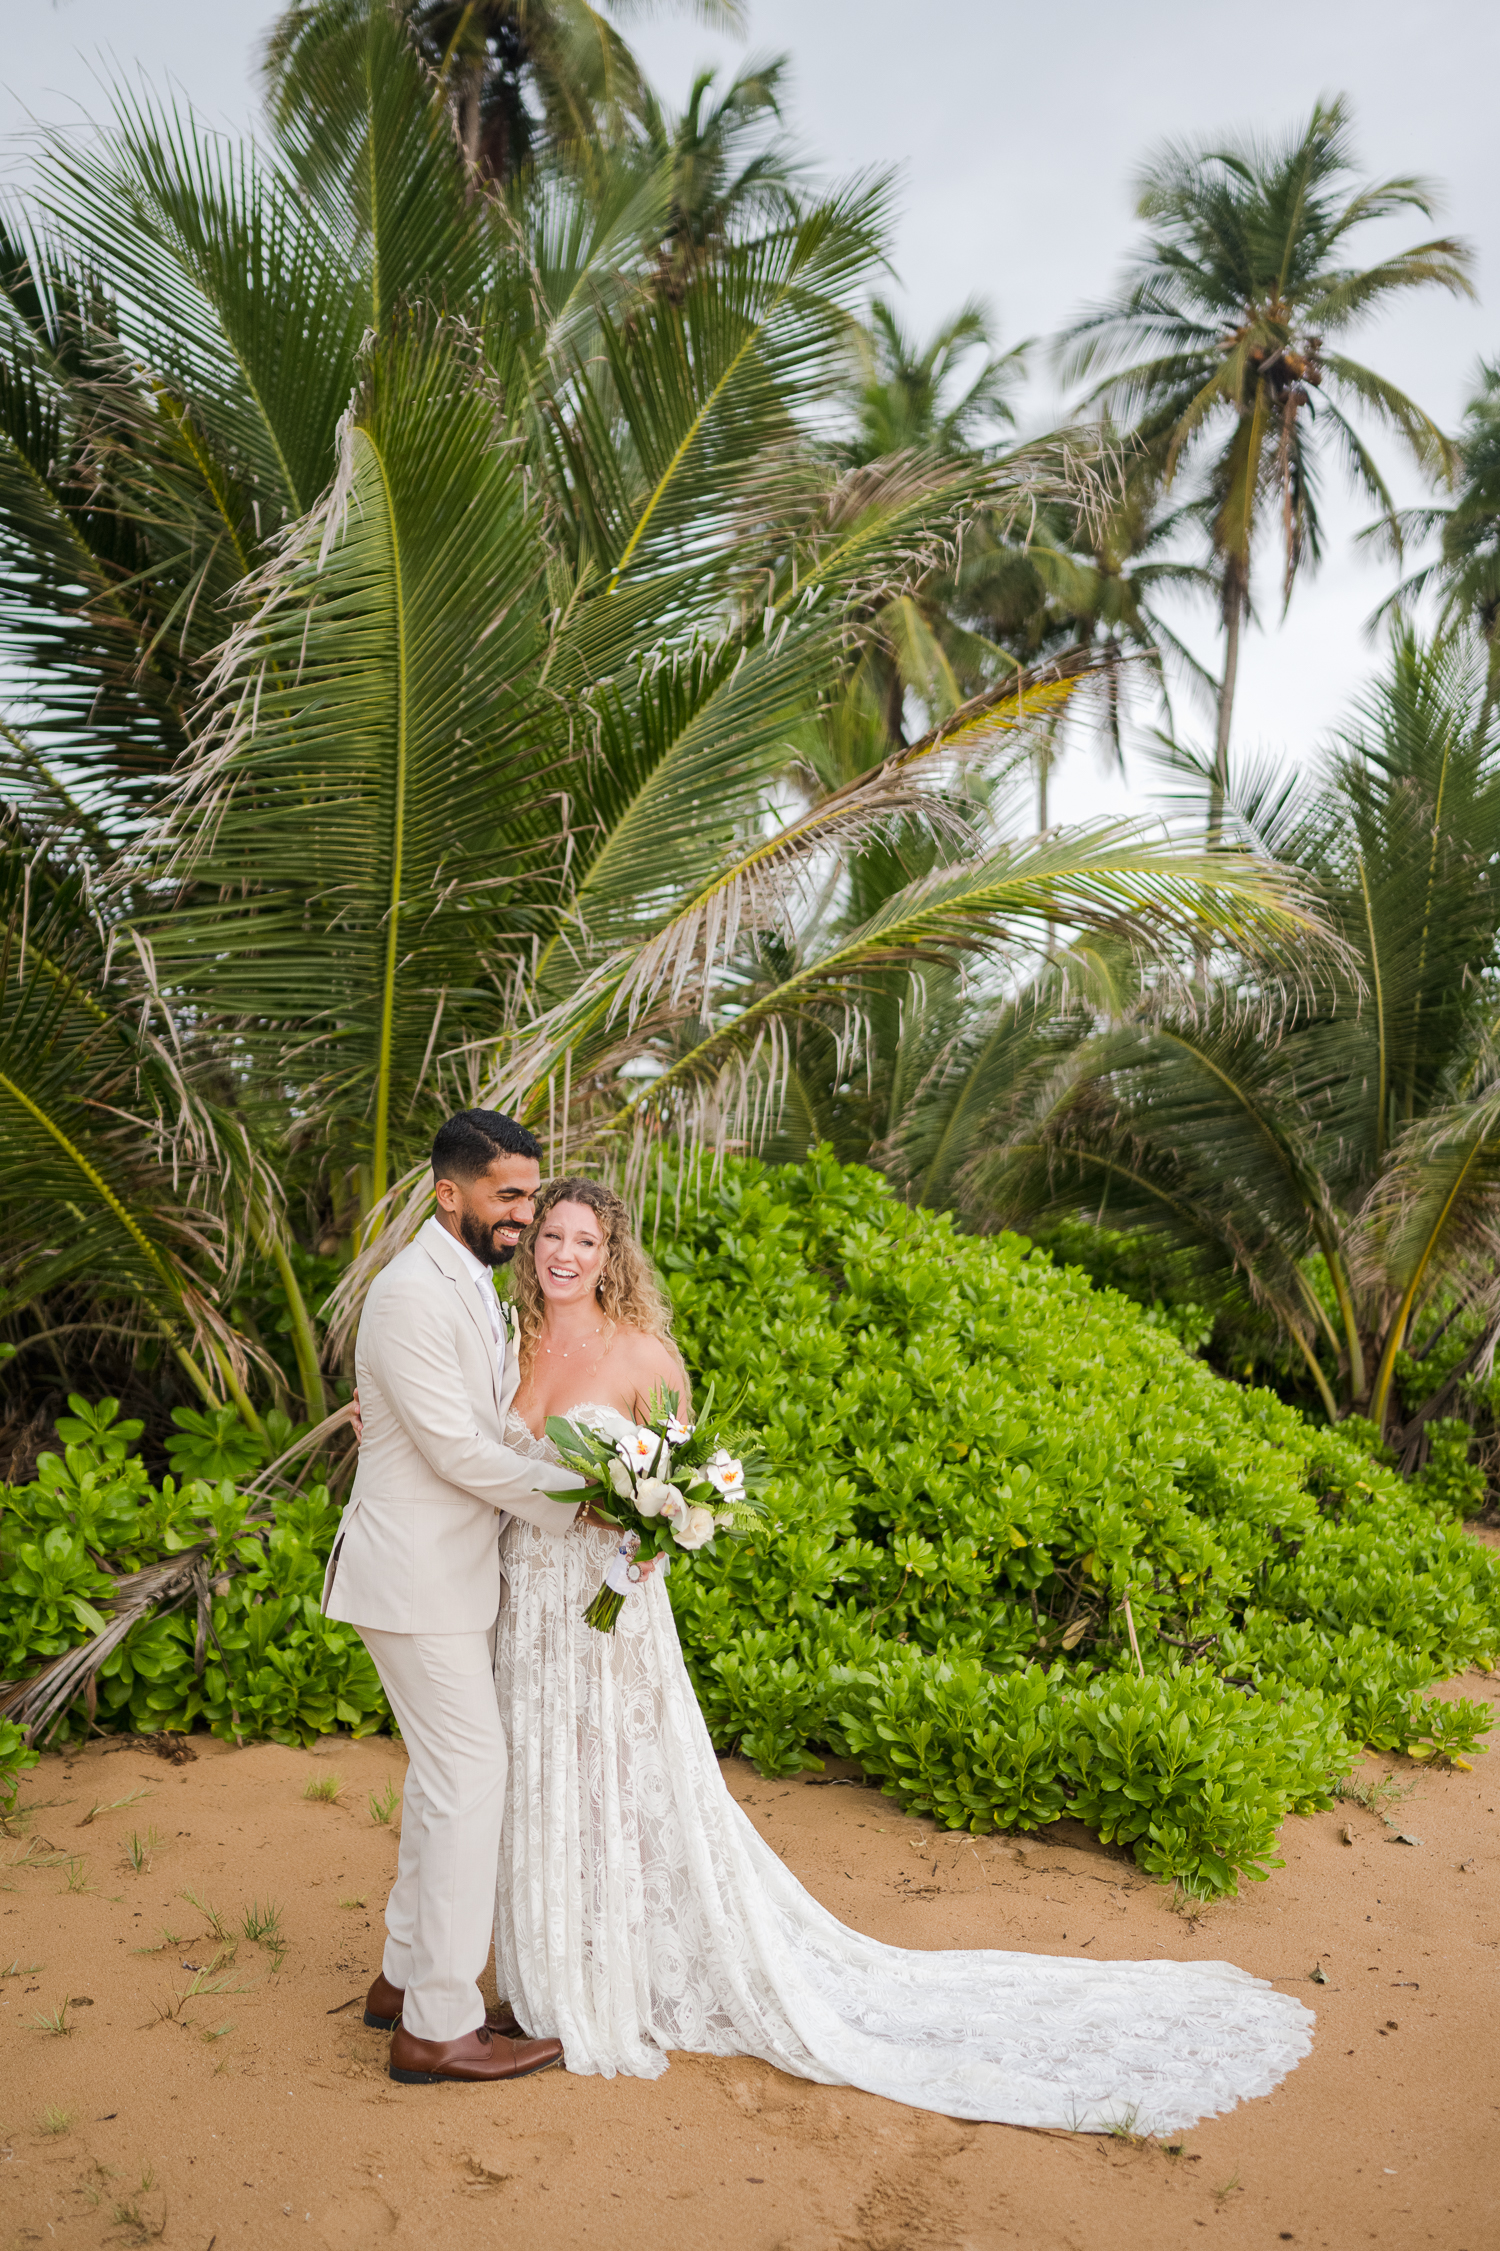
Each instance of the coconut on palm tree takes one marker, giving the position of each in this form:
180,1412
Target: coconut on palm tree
1222,345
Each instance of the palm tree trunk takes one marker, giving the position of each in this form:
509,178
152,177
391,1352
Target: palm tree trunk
304,1338
468,112
1330,1405
895,708
1338,1275
236,1390
1234,606
304,1335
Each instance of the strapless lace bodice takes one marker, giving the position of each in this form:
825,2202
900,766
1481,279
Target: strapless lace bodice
519,1540
522,1440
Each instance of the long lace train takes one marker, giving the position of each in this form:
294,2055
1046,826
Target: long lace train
639,1910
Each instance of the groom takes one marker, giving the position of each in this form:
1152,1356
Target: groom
416,1567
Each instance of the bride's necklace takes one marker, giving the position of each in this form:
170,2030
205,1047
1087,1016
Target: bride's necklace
564,1352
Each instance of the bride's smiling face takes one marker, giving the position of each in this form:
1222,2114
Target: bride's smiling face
570,1254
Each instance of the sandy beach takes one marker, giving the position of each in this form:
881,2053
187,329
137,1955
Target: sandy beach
211,2091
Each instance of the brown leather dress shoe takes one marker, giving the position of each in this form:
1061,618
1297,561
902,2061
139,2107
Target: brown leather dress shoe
478,2056
383,2005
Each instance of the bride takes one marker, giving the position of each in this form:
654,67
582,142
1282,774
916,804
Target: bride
639,1910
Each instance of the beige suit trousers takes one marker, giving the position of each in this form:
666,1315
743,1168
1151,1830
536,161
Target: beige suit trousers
440,1917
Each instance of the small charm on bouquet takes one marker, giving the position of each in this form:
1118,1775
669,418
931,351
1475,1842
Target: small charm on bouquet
622,1576
671,1486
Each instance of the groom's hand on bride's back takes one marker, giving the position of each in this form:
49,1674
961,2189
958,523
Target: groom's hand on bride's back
356,1419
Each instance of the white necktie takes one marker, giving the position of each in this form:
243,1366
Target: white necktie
486,1289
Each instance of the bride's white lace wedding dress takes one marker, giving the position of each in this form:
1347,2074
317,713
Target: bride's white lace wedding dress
639,1911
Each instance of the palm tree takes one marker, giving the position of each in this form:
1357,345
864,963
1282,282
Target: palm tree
1466,574
115,1185
519,76
1087,568
912,403
1342,1152
1223,324
725,174
904,395
1089,572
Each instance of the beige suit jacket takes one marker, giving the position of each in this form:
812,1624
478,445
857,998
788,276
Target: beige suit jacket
418,1547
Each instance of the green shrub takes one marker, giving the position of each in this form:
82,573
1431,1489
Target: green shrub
1197,1776
979,1750
213,1443
1450,1482
986,1472
273,1665
980,1461
16,1756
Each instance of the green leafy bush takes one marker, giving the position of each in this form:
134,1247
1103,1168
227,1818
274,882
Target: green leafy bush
1450,1480
1210,1311
988,1477
213,1443
987,1472
15,1756
273,1665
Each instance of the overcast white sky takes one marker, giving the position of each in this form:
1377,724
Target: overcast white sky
1016,132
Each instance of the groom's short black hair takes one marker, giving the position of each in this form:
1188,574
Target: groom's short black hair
471,1141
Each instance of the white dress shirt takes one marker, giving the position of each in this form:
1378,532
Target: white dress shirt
484,1282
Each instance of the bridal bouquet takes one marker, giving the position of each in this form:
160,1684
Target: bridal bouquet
671,1486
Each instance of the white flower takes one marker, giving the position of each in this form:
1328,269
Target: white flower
621,1479
652,1495
697,1531
674,1508
678,1432
639,1449
725,1474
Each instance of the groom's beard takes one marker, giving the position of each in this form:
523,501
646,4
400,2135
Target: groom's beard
481,1240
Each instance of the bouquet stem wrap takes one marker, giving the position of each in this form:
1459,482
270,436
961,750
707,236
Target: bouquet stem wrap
621,1575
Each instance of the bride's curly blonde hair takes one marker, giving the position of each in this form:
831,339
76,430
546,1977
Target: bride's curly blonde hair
628,1292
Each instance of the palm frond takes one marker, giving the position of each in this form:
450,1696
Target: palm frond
344,833
113,1179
